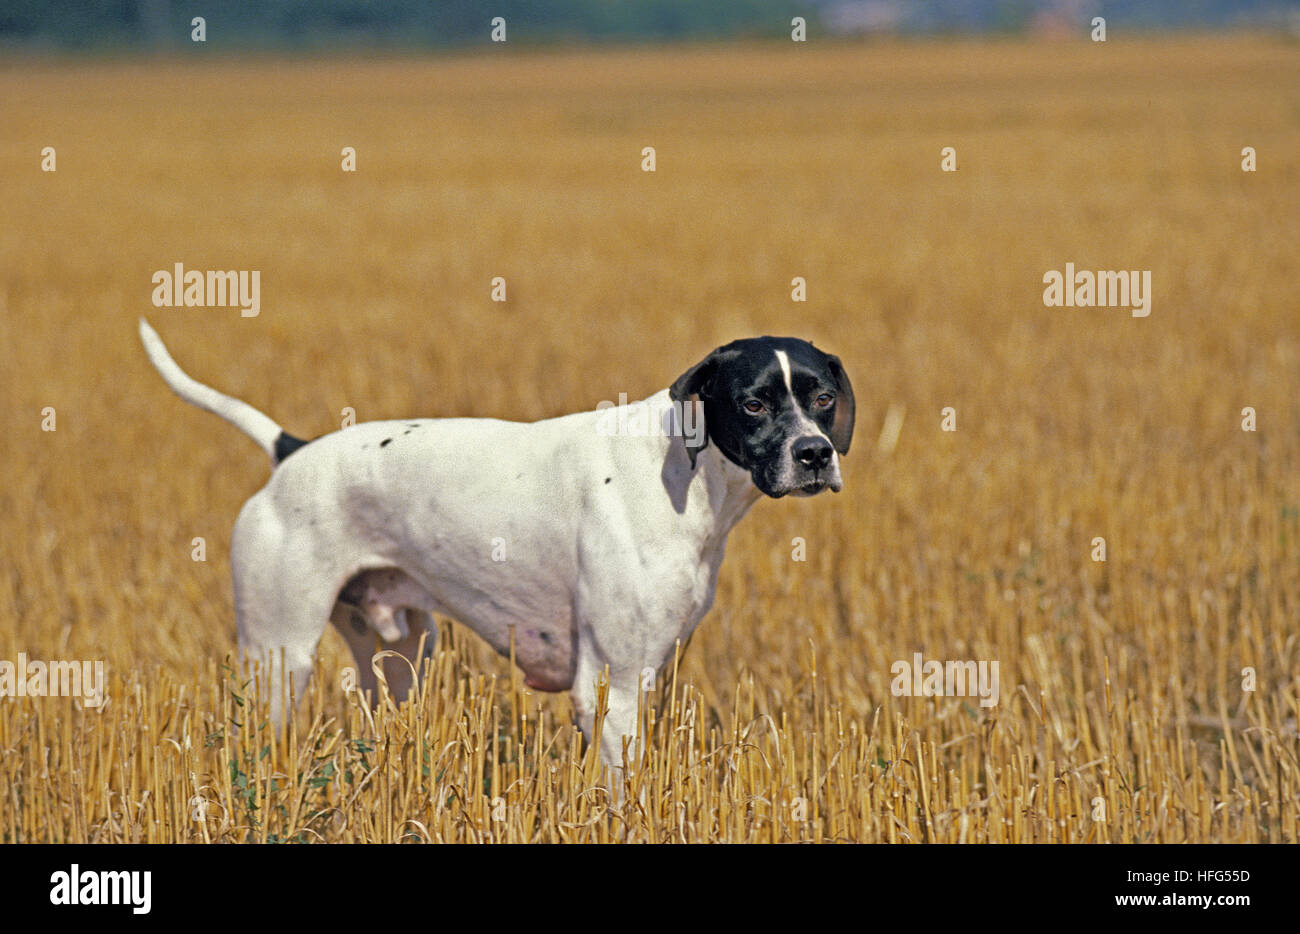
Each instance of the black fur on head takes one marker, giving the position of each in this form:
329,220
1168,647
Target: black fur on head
774,406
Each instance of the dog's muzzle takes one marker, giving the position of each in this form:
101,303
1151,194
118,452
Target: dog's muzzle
809,468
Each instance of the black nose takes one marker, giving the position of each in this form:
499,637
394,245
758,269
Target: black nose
812,452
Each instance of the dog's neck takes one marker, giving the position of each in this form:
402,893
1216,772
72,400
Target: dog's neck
730,489
714,493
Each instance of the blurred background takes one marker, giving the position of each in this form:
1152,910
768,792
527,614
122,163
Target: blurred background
417,23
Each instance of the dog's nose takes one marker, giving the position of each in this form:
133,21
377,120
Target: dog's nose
812,452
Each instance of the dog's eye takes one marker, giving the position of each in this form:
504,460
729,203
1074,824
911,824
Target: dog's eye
824,400
753,406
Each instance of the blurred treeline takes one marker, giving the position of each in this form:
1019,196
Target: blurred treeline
416,23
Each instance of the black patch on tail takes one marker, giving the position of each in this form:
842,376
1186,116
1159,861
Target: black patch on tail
285,445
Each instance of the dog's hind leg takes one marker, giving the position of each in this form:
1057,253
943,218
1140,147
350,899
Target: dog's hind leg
350,623
283,598
378,604
402,673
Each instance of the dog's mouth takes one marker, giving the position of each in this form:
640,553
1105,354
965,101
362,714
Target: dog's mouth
808,488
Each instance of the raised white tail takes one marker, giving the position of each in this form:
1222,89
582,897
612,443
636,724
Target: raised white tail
243,416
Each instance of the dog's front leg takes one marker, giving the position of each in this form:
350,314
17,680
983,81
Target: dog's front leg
619,722
620,716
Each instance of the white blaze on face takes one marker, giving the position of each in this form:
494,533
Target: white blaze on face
805,422
806,426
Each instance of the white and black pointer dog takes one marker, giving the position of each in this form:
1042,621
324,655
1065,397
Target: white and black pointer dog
612,541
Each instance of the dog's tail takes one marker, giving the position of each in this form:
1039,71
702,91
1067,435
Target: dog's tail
269,436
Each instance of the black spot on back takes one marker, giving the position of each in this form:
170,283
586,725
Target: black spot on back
385,442
285,445
607,479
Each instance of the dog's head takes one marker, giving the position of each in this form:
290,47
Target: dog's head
775,406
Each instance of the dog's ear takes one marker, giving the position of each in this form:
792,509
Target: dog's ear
842,425
694,384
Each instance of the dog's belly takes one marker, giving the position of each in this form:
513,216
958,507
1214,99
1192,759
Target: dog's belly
543,647
546,657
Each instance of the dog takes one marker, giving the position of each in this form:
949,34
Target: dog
583,547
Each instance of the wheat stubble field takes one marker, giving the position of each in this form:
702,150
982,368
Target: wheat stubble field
1122,715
